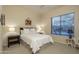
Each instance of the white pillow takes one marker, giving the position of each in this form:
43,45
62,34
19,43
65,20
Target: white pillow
32,29
29,31
26,31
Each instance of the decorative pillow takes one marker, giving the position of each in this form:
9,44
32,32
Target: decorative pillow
29,31
26,31
32,30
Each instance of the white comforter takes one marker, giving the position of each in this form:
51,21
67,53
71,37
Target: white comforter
36,40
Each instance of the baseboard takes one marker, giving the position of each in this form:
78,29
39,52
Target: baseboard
61,43
1,52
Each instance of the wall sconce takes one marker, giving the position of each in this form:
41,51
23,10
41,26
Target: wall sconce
11,29
39,27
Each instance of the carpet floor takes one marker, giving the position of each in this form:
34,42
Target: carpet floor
49,48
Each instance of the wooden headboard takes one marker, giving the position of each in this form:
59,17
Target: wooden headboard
22,28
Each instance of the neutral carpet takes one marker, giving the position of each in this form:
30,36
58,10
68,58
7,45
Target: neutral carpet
49,48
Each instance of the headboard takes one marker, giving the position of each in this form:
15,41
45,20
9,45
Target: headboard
22,28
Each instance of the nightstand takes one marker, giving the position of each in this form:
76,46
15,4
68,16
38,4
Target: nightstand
14,39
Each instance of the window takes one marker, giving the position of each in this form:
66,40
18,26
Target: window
62,24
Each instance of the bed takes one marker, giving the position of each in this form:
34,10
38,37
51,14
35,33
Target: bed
34,39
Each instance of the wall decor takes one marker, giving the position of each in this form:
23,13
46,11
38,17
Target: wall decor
28,21
2,19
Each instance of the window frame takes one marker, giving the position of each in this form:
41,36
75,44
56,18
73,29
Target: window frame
61,22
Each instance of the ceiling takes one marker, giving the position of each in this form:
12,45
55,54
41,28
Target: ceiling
41,8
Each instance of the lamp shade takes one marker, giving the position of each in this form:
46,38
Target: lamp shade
11,29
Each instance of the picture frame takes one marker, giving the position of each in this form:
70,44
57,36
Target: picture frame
28,21
2,19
